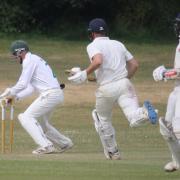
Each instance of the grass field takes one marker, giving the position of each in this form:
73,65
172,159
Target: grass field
143,150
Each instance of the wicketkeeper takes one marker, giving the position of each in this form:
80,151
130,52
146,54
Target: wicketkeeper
37,76
170,125
113,65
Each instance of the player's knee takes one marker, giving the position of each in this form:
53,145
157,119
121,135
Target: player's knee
165,129
102,123
176,127
98,120
22,118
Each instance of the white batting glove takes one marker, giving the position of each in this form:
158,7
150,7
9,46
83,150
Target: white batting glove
74,70
158,73
7,92
79,77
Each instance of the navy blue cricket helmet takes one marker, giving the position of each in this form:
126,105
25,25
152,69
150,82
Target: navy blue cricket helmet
97,25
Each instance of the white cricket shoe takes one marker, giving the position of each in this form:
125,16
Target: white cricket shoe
113,156
171,166
44,150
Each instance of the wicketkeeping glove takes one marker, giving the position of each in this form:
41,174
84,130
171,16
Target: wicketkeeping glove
79,77
7,92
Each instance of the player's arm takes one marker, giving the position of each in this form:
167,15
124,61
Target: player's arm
25,78
132,66
81,76
26,92
95,63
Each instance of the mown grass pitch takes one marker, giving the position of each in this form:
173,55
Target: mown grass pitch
144,152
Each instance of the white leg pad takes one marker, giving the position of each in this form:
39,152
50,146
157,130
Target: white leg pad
171,140
106,133
34,129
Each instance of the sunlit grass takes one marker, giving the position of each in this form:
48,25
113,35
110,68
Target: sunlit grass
144,152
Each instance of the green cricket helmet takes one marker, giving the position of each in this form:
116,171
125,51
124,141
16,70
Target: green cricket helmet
18,46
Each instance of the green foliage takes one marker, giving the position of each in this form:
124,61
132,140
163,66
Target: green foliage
125,16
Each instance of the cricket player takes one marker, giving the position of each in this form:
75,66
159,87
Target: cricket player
113,65
38,76
170,125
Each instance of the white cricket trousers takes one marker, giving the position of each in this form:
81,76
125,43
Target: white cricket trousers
123,93
44,134
173,111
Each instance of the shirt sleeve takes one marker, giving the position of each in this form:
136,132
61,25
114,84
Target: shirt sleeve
29,67
128,55
92,51
26,92
177,58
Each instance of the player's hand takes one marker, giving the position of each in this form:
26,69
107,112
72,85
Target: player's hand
73,71
5,93
78,78
9,99
158,73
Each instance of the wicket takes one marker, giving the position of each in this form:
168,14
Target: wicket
4,106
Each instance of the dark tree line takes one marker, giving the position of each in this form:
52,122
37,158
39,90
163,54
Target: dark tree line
131,16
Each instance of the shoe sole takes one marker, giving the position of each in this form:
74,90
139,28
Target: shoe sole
172,170
51,152
151,112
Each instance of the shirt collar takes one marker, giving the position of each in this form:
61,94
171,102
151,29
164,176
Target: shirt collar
27,54
101,38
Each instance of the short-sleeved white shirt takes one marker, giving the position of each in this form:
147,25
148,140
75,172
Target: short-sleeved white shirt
37,73
177,64
115,55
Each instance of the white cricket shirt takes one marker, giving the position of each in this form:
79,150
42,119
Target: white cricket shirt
114,55
177,57
36,75
177,63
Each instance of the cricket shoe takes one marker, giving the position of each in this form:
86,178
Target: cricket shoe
113,156
151,112
65,148
44,150
171,167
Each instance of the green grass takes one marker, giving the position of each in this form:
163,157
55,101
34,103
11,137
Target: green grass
144,152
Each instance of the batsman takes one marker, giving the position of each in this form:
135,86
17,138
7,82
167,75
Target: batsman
114,66
170,125
37,76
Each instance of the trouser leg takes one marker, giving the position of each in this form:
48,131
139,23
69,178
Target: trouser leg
102,116
53,134
42,105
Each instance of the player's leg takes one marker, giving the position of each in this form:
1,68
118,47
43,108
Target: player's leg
173,115
33,128
102,119
61,142
37,109
136,115
169,129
